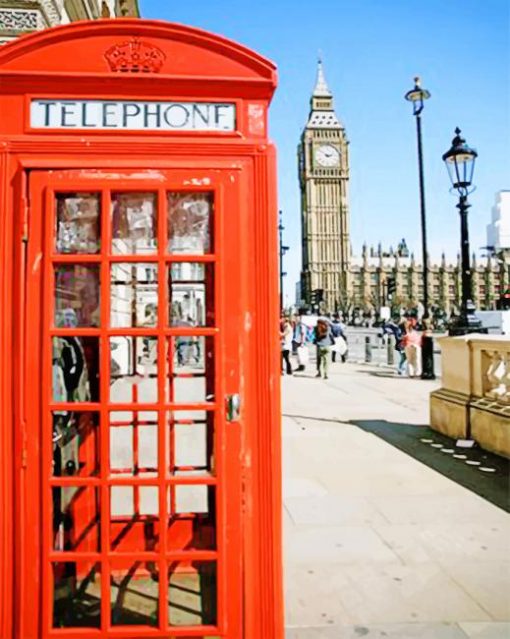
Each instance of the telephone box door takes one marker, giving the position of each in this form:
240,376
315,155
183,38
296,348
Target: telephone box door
132,492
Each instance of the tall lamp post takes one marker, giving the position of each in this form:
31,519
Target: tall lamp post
283,250
417,95
460,162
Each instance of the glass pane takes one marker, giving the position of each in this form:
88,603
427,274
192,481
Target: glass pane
134,443
134,295
191,498
77,222
191,441
75,444
134,501
134,592
189,223
77,295
134,370
192,376
192,593
134,224
191,294
191,532
75,369
76,594
76,518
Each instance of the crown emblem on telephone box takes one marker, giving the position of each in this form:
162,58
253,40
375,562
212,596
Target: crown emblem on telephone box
135,57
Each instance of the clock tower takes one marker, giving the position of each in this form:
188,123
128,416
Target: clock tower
323,178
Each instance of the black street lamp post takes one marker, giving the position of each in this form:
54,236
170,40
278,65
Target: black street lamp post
417,95
460,162
283,250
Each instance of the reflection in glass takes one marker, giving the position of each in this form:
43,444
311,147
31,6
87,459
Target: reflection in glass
75,444
192,377
77,223
76,594
192,593
134,369
134,594
76,517
134,223
189,222
134,295
191,294
76,295
75,369
134,443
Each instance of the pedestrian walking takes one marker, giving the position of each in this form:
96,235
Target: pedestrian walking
397,329
412,342
340,345
324,340
286,345
299,343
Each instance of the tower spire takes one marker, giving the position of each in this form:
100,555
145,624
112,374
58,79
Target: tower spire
321,86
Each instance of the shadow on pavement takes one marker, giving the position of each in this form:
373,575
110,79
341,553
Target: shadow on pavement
493,485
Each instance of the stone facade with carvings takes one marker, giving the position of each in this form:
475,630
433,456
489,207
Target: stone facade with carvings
360,284
18,17
370,274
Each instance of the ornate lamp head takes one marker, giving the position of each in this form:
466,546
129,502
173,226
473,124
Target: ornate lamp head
417,96
460,162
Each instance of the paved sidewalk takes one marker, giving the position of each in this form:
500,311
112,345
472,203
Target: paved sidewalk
378,544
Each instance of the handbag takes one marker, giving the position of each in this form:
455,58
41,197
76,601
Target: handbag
302,355
340,345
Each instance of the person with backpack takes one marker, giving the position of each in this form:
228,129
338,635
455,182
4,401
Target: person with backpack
398,330
324,340
340,347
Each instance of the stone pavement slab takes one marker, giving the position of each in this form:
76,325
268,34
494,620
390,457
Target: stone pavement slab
385,631
376,543
486,630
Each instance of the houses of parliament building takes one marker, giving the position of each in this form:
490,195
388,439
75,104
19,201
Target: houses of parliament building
339,282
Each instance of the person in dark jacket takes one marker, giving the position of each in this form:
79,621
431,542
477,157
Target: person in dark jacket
338,330
324,340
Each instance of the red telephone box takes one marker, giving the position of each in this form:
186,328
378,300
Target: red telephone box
139,378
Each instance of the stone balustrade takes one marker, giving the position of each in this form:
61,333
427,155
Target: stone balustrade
474,400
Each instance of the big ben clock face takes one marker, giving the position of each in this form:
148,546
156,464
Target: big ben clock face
327,156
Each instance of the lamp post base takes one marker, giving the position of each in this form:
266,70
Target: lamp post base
427,358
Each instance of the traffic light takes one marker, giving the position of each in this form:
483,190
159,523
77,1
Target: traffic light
392,285
316,297
504,301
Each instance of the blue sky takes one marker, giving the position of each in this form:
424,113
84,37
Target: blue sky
371,51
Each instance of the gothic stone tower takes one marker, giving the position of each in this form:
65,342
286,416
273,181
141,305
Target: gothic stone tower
323,177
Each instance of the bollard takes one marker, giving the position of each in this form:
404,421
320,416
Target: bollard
368,349
390,350
427,357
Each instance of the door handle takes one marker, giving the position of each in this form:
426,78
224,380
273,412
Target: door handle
233,407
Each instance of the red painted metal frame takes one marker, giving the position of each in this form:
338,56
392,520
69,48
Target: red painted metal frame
210,68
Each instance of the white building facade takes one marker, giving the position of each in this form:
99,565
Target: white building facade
18,17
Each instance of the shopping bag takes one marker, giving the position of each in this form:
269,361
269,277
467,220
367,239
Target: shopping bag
340,345
302,355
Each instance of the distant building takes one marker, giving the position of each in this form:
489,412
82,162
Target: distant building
498,231
18,17
372,273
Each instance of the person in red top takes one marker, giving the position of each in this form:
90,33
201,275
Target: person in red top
412,341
